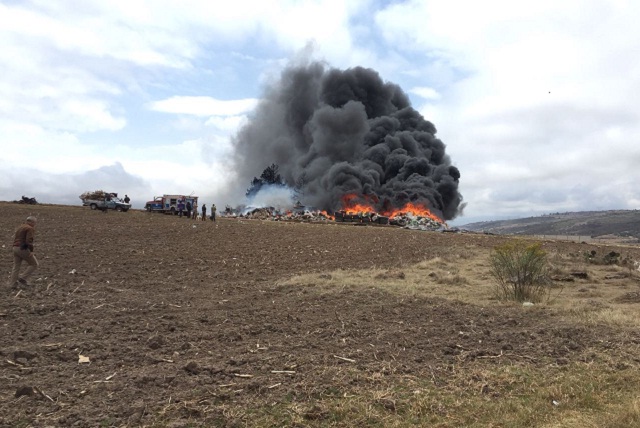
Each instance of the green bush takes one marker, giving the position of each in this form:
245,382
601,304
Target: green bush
590,257
521,270
611,258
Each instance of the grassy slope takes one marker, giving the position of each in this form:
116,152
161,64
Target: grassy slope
590,223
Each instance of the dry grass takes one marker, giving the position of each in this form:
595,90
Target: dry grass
593,394
594,314
464,277
602,392
608,295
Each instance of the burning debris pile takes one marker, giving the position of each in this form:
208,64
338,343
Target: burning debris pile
410,216
347,142
406,219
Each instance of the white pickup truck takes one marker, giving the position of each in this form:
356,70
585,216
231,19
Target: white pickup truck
110,201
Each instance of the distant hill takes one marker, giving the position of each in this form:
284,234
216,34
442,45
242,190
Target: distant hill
617,223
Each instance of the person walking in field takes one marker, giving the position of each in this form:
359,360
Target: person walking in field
204,212
23,252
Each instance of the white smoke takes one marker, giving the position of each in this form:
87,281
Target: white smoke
278,197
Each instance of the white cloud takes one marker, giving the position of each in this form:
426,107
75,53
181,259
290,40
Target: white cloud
426,92
204,106
228,124
99,30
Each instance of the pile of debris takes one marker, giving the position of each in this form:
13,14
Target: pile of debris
406,220
274,214
361,217
306,215
409,221
259,214
26,200
98,195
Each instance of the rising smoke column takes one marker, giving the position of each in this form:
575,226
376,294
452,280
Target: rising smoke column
338,132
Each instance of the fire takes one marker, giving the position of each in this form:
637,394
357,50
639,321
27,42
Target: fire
359,208
415,210
354,204
327,215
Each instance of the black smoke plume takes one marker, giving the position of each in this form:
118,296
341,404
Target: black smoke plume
338,132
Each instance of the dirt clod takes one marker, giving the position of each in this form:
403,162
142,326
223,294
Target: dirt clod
24,390
192,368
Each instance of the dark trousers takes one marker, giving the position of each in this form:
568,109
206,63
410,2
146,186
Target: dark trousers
20,256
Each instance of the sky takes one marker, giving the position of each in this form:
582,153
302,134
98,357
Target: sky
537,102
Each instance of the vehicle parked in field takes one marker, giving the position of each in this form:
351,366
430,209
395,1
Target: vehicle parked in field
104,201
171,204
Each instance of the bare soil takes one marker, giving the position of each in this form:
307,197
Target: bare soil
139,319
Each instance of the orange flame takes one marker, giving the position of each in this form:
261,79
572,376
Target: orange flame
352,207
413,209
327,215
354,204
359,208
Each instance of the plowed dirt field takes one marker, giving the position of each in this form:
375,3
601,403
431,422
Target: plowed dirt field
139,319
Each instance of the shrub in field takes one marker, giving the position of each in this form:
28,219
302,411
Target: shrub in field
611,258
521,270
590,256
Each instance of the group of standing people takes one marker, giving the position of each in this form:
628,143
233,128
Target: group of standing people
212,217
192,210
